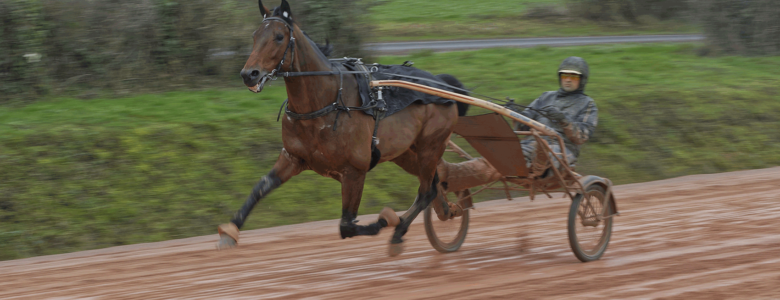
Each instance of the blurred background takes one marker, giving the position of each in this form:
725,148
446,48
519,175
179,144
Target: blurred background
124,122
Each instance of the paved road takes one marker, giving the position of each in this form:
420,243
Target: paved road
444,46
697,237
402,47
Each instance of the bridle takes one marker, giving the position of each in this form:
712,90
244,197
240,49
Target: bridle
290,47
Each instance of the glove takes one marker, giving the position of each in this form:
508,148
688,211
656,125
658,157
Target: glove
555,114
527,113
514,107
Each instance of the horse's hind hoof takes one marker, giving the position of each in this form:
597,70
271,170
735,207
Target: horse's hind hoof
395,249
226,242
390,216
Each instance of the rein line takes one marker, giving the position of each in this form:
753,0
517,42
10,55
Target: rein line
342,107
374,69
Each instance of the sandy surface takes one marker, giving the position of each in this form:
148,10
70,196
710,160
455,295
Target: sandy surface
697,237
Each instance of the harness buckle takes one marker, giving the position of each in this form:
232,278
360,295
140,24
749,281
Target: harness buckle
379,94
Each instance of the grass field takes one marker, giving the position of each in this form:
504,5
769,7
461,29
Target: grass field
409,11
85,174
466,19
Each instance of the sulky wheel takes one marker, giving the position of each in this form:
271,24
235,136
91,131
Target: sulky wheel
589,236
447,236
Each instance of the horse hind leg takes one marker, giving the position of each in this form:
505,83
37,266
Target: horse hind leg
427,160
422,201
409,162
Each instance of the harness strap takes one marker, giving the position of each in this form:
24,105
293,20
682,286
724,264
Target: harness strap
312,115
323,111
318,73
280,109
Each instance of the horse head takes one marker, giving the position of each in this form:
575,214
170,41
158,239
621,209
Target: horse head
273,47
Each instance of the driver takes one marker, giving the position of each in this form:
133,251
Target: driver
568,111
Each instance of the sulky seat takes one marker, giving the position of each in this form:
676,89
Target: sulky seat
495,140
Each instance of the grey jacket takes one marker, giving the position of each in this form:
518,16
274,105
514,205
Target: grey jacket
580,110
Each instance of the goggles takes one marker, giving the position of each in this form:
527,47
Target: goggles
569,76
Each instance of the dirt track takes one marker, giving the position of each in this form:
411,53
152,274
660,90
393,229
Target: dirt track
697,237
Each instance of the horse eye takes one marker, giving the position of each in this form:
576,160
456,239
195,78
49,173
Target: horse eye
279,37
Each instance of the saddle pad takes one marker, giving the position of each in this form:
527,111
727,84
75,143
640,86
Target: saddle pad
495,140
398,98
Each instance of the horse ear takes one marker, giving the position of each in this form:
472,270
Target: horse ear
286,13
263,10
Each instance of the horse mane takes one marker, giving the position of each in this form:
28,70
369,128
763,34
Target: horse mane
326,49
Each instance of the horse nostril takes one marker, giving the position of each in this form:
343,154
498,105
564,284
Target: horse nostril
255,73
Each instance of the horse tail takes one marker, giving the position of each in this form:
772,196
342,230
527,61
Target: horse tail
451,80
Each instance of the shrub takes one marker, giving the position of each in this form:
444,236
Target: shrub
123,46
744,27
626,10
339,21
545,12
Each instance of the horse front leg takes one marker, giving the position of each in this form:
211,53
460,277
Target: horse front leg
286,167
351,193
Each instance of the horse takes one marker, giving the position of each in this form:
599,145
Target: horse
414,138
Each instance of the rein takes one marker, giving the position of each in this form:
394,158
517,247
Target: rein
509,103
341,107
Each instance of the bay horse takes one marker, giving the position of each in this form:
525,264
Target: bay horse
413,138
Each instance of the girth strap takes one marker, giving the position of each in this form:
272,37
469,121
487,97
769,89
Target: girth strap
315,114
326,110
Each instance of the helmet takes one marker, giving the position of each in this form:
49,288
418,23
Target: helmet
575,65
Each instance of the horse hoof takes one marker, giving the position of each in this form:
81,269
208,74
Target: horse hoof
390,216
347,230
455,210
395,249
228,236
226,242
229,229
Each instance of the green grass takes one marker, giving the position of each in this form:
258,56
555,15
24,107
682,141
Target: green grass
409,11
86,174
397,20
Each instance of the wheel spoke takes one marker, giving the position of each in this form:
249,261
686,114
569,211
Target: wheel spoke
588,234
447,235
